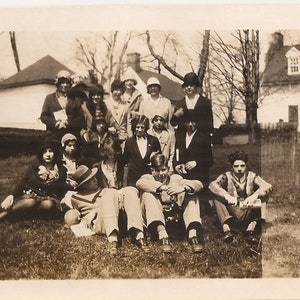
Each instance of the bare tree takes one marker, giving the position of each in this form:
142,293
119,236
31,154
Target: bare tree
13,43
225,98
160,57
204,56
243,57
163,59
104,56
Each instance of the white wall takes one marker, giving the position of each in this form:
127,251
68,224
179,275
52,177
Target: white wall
21,107
276,105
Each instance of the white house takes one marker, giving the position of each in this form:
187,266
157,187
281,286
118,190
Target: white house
280,83
22,95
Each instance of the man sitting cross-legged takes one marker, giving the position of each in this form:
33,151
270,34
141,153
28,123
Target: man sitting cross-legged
242,197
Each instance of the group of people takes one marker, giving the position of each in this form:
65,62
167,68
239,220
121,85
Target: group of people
107,155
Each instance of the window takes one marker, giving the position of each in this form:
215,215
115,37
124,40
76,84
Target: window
293,59
294,65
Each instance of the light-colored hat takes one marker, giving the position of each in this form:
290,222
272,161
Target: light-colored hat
129,75
68,137
72,217
63,74
152,81
83,174
161,115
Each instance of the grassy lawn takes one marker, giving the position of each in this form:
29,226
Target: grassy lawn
281,254
35,248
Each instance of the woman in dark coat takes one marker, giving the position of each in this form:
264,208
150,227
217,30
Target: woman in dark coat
62,110
198,108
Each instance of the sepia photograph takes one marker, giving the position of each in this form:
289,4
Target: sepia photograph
149,151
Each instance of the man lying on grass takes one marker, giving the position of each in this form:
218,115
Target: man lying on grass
242,197
99,208
160,189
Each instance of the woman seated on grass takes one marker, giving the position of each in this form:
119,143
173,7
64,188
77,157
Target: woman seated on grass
110,175
42,186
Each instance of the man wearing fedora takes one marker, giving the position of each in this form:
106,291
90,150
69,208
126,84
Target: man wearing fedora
203,116
90,198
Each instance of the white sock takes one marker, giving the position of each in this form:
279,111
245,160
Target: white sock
162,233
140,235
226,227
112,237
192,233
251,226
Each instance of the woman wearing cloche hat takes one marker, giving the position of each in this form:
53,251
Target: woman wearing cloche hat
155,104
61,111
132,96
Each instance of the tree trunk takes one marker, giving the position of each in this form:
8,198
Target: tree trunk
13,43
204,59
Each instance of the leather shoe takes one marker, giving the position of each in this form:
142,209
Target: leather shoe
228,237
113,248
142,244
195,245
165,245
251,238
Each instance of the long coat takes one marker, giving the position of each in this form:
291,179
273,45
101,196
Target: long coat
76,119
203,111
199,150
137,165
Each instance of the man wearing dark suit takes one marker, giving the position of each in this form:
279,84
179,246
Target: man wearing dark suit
139,149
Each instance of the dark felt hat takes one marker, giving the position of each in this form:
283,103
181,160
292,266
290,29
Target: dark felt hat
117,85
190,79
97,89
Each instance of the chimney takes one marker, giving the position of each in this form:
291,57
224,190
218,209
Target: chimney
277,40
275,45
133,61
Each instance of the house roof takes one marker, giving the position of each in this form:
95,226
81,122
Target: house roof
42,71
170,89
276,71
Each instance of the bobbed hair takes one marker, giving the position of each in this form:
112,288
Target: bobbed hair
48,143
158,160
112,145
237,155
97,121
140,119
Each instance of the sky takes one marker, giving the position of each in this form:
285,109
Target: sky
52,30
34,45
